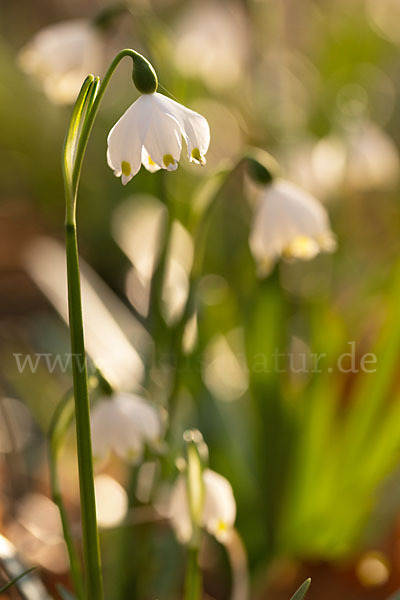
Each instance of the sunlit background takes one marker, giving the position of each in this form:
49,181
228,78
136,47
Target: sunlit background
313,455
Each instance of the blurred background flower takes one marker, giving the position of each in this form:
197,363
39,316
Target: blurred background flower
124,423
290,223
61,55
219,511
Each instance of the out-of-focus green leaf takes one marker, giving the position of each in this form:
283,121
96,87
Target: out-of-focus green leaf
363,415
302,591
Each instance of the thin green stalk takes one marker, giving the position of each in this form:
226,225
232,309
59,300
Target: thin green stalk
156,323
199,228
59,426
91,547
193,581
72,554
81,124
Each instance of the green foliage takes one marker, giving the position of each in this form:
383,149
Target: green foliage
302,591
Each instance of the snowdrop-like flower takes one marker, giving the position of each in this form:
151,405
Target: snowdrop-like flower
288,222
61,55
150,133
219,512
124,423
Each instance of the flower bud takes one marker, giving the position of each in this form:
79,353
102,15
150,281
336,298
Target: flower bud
262,167
143,75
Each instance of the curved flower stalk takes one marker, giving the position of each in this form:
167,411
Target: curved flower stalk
125,423
288,223
83,116
150,132
61,55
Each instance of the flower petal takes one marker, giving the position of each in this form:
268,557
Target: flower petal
161,134
124,151
103,424
150,132
123,423
148,162
144,417
289,222
194,127
219,505
179,511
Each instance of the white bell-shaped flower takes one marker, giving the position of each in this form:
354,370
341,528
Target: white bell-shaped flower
288,222
150,133
61,55
124,423
219,512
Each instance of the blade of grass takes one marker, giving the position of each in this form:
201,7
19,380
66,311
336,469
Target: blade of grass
15,580
372,389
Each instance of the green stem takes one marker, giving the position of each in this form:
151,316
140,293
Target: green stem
156,322
63,417
83,117
91,546
193,581
72,554
199,231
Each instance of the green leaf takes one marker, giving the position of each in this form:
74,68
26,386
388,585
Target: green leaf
64,593
75,127
14,581
302,591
